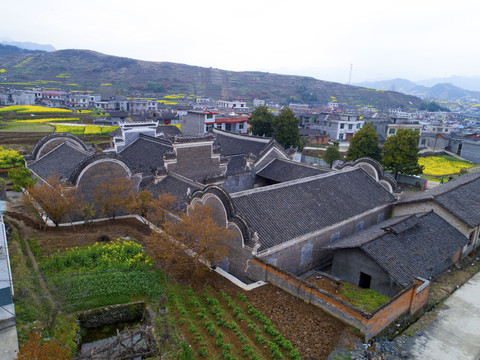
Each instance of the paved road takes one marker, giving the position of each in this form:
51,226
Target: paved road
455,333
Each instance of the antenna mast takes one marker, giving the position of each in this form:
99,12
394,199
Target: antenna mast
350,77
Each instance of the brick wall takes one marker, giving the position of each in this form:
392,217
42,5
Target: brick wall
370,324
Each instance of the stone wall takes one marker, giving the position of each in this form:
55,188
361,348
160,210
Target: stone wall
112,314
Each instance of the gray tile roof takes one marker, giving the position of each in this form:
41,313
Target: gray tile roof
175,185
285,211
62,160
459,196
280,170
146,153
236,144
169,131
409,246
237,164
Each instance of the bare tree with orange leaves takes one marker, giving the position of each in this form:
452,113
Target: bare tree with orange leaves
140,204
192,243
161,208
115,196
56,199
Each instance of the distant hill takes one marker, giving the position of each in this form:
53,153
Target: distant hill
443,91
89,70
10,49
468,83
28,45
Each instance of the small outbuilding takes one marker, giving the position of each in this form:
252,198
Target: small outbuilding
387,257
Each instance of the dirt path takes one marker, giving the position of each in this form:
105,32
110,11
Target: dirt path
24,233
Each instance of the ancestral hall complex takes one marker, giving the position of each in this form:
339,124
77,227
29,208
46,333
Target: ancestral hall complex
290,220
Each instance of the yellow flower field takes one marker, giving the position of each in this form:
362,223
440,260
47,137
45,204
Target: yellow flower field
47,120
84,129
40,109
437,166
32,109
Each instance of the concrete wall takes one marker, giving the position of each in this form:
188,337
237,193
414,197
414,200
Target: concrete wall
348,263
192,124
471,151
406,303
412,180
301,255
239,182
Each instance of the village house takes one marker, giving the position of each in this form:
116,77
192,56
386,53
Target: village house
455,201
196,122
338,126
236,104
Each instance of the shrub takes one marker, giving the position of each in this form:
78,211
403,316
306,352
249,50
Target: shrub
10,158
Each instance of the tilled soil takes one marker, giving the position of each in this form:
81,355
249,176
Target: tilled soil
311,331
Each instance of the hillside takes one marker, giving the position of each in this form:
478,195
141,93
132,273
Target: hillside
6,49
88,70
439,91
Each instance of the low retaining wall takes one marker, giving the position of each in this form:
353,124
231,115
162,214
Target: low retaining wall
112,314
407,302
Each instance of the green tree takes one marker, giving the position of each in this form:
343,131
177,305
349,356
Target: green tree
21,178
364,144
261,122
285,127
331,154
400,153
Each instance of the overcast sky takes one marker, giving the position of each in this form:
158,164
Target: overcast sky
382,39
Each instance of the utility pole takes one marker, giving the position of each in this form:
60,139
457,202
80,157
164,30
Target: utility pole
350,77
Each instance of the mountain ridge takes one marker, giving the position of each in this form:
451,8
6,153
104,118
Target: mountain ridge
91,70
27,45
438,91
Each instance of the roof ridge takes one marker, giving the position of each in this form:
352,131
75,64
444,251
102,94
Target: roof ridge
290,183
458,182
241,136
58,147
185,179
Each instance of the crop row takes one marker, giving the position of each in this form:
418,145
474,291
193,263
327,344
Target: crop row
213,318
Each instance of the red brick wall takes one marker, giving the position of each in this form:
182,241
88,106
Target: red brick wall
369,324
420,296
456,257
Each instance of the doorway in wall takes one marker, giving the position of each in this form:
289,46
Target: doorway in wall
364,281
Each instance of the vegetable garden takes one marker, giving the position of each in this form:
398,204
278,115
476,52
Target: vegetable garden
101,274
221,326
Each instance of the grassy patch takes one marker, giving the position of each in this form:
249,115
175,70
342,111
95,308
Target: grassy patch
13,126
101,274
365,299
35,247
